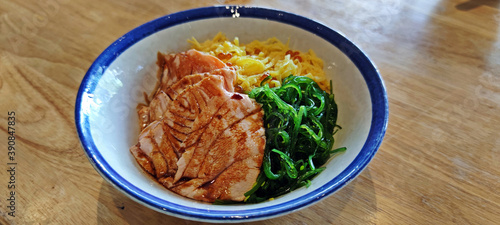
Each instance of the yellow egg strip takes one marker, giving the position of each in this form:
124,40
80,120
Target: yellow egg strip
258,59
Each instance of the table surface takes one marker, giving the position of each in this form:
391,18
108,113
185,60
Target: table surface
438,164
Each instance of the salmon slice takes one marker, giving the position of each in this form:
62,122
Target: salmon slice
154,152
142,159
228,73
196,105
163,98
156,108
176,73
176,66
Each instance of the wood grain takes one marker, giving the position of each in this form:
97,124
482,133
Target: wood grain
439,162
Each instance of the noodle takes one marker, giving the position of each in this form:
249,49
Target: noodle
259,59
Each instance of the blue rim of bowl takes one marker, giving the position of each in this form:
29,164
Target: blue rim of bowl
380,111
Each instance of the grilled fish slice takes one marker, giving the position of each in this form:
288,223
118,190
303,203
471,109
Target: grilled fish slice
154,151
176,75
176,66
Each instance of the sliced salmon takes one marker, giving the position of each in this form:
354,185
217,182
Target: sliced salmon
176,73
185,117
231,165
236,108
199,138
163,98
154,151
176,66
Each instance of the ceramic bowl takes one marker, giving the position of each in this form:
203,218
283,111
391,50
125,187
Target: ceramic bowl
107,122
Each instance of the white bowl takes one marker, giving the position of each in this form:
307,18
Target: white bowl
107,122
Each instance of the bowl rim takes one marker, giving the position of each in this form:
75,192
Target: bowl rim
371,75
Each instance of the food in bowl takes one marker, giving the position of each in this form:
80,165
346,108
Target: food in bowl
106,118
204,138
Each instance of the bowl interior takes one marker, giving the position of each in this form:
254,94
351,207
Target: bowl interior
112,92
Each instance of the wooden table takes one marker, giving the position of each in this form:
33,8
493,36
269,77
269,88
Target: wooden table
439,162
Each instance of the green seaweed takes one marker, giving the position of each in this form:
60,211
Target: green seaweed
300,120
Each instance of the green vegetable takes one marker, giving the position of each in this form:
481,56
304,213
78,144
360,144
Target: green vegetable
300,120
